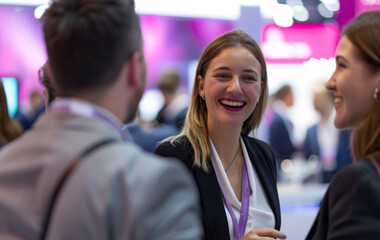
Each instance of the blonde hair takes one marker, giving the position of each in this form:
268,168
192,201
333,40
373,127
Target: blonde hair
364,34
9,128
195,126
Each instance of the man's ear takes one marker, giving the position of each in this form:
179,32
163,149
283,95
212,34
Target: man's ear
136,68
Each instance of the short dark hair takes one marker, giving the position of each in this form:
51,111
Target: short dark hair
282,92
88,41
169,82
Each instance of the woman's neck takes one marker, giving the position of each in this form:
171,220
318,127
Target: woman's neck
227,145
226,142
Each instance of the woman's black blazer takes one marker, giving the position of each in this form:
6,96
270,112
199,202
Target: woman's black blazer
213,214
350,208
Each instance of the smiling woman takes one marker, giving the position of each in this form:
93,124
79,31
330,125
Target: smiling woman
231,87
350,209
228,100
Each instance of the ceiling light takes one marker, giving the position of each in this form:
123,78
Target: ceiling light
250,3
219,9
266,8
24,2
326,13
294,2
39,11
332,5
300,13
283,15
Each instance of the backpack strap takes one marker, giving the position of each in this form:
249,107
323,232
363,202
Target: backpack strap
76,161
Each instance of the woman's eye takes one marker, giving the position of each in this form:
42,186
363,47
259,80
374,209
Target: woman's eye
341,65
224,76
249,78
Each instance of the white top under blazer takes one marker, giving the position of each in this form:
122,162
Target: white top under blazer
260,214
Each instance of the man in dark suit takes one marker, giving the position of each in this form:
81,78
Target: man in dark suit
148,138
281,128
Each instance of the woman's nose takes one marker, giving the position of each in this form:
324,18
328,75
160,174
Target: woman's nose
330,84
234,85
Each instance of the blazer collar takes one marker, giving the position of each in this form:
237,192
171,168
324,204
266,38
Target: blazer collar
265,174
212,200
212,203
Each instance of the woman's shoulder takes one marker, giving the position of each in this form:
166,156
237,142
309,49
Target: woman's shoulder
362,168
257,143
361,175
180,148
179,143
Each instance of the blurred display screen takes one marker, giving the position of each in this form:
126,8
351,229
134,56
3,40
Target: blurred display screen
298,43
11,91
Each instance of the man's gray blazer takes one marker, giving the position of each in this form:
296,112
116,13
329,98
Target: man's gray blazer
117,192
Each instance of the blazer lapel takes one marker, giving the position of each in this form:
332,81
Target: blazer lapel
212,204
266,177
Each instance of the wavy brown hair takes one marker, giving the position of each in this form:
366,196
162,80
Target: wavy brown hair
364,34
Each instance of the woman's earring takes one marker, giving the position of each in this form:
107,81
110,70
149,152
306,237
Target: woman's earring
203,97
375,94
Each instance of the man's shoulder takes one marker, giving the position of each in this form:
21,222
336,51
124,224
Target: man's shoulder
136,160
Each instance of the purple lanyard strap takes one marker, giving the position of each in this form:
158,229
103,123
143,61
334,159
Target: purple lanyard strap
68,106
239,228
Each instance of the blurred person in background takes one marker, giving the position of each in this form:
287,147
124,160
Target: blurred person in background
281,127
350,208
10,129
46,80
31,110
323,141
263,129
235,174
148,137
175,102
75,175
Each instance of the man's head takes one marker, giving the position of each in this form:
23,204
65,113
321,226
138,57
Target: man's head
90,44
36,100
285,94
169,84
323,100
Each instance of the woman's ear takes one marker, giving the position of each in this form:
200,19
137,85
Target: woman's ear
201,86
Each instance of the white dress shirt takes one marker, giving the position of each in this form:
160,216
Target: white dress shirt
328,136
260,214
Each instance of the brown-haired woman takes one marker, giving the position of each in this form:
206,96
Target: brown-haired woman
350,208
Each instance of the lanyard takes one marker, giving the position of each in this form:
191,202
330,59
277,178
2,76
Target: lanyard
85,109
239,228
